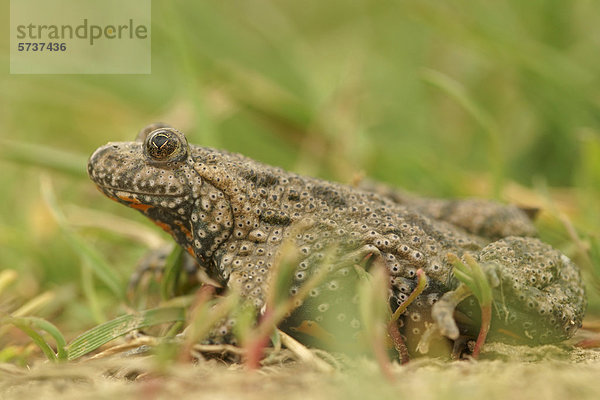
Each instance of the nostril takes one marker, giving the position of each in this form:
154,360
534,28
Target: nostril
114,146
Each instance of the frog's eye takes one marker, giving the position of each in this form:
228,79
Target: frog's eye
143,134
165,145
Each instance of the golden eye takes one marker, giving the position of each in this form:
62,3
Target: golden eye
165,145
144,133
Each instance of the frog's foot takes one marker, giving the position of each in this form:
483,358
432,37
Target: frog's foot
442,311
222,333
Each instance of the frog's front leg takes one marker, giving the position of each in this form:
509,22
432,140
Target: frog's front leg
245,268
321,274
248,266
151,267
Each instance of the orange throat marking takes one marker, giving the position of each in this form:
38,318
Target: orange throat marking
185,230
165,227
190,250
134,203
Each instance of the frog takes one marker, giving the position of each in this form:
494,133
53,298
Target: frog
235,216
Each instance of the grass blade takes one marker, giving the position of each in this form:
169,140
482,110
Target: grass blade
104,333
474,278
29,325
459,93
46,157
173,266
88,254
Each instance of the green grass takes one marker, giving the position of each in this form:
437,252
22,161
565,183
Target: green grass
457,98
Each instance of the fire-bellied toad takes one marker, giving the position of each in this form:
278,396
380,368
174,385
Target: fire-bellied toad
233,213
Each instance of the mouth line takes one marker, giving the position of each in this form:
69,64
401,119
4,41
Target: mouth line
141,193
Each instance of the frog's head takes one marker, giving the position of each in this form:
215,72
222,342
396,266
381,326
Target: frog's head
156,175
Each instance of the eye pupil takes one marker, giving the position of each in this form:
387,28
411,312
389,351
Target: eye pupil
159,140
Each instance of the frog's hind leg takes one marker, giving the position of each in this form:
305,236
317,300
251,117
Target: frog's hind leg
480,217
539,298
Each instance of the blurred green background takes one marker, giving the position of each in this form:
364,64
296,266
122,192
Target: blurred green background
455,98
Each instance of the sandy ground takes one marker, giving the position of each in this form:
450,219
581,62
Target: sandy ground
547,372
